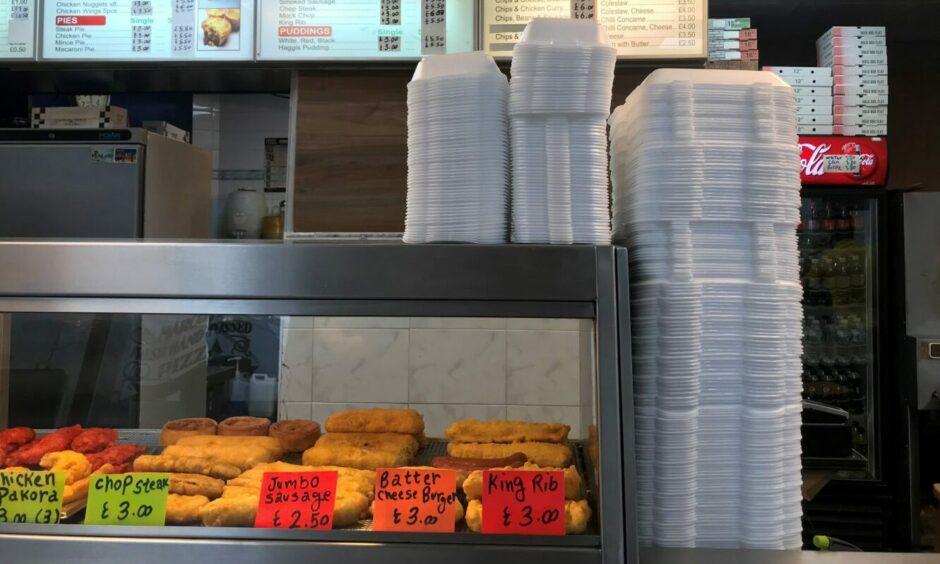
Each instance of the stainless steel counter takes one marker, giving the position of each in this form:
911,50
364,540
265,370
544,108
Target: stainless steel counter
705,556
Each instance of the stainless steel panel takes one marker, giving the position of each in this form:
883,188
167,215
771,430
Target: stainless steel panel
297,271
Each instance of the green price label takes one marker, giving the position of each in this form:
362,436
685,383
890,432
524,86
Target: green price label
127,499
31,497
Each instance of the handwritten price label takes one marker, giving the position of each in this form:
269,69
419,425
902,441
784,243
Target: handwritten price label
127,499
31,497
297,500
523,503
415,500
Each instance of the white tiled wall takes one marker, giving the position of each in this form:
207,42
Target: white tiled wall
233,127
447,368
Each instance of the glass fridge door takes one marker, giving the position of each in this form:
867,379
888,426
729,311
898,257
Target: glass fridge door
837,239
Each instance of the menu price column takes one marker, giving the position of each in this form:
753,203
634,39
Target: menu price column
582,9
184,32
389,14
654,27
17,35
433,26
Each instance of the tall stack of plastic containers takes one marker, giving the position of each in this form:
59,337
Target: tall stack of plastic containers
706,180
559,101
458,151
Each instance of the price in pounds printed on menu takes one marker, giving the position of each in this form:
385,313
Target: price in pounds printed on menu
523,502
297,500
416,500
127,499
31,497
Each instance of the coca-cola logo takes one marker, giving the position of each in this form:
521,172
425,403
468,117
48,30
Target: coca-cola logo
813,162
811,158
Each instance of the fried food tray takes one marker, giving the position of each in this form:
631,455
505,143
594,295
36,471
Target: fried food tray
150,440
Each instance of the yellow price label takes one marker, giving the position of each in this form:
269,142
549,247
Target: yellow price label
127,499
31,497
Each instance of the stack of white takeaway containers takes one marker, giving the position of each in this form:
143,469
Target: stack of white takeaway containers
813,89
858,57
706,180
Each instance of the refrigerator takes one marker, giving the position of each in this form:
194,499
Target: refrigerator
98,184
102,183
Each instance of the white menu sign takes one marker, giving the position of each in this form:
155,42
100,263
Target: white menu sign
639,29
147,30
364,29
17,29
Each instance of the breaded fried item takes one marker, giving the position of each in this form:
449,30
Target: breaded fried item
354,457
186,465
473,485
270,444
75,465
234,16
577,516
229,512
196,484
389,442
242,456
79,489
242,491
215,31
184,509
543,454
376,420
475,431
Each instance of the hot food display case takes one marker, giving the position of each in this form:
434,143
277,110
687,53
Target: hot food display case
119,337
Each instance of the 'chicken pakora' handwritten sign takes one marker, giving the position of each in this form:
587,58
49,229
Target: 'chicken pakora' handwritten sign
127,499
523,502
297,500
415,500
31,497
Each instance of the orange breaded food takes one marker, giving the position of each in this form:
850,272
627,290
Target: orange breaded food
355,457
376,420
475,431
544,454
380,441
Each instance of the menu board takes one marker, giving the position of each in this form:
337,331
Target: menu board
147,30
17,29
363,29
639,29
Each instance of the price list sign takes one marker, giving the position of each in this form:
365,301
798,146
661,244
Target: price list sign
127,499
639,29
31,497
297,500
523,502
415,500
17,29
364,29
157,30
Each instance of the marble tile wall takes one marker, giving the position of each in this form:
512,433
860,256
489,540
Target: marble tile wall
446,368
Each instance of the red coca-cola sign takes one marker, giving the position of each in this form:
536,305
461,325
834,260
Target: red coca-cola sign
844,160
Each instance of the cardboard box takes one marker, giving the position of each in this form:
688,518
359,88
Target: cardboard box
812,90
827,50
800,71
729,23
167,130
739,34
101,117
856,58
732,65
863,70
864,130
807,80
814,110
880,112
733,55
802,119
860,100
865,80
854,31
732,45
849,89
859,120
856,42
814,129
810,100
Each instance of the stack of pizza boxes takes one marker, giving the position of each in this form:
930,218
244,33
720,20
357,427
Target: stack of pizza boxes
858,57
732,44
813,87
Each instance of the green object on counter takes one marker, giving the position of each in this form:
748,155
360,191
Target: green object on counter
821,542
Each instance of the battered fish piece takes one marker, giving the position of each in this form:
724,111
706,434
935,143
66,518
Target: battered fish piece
270,444
475,431
196,485
473,485
544,454
390,442
376,420
185,465
184,509
243,456
354,457
577,516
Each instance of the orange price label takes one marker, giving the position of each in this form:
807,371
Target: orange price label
297,500
523,503
415,500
